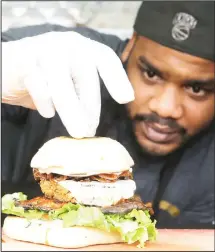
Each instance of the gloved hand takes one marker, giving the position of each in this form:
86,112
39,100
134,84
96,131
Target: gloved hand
59,71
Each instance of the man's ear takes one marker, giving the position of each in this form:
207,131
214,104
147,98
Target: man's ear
128,48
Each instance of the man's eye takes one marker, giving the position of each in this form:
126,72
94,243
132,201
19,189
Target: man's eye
150,75
196,90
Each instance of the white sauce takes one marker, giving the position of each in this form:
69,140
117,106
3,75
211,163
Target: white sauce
99,194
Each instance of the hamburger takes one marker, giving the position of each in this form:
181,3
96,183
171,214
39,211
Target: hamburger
88,197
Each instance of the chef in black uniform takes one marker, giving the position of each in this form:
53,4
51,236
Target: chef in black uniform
154,93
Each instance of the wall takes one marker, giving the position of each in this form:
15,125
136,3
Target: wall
114,17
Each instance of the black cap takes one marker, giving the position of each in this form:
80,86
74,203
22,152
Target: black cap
186,26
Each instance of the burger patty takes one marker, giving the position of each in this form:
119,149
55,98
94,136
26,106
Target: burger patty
40,203
122,207
53,190
103,177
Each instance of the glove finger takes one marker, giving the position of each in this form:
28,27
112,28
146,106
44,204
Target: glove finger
113,74
39,92
66,101
87,87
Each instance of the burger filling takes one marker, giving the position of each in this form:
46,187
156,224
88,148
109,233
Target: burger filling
122,207
98,190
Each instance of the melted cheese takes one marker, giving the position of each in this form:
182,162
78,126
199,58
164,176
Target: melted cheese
99,194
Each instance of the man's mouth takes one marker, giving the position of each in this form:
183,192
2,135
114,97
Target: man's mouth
158,133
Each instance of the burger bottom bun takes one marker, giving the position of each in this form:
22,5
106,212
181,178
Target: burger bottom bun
52,233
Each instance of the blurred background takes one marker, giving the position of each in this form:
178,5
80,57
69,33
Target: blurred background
111,17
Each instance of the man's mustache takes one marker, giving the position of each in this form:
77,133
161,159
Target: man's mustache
154,118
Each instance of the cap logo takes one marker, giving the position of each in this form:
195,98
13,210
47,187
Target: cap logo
182,24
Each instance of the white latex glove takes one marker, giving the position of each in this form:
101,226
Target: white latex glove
59,71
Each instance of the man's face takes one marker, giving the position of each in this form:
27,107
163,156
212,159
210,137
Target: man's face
174,95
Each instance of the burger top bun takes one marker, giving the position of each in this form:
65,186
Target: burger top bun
82,157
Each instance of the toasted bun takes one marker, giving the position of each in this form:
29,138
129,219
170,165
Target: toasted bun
82,157
52,233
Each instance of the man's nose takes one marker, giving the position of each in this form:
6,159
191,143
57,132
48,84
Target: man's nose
167,103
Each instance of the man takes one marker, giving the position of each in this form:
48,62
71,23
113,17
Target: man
168,128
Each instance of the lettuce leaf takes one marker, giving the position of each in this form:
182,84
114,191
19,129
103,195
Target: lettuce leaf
136,226
8,207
